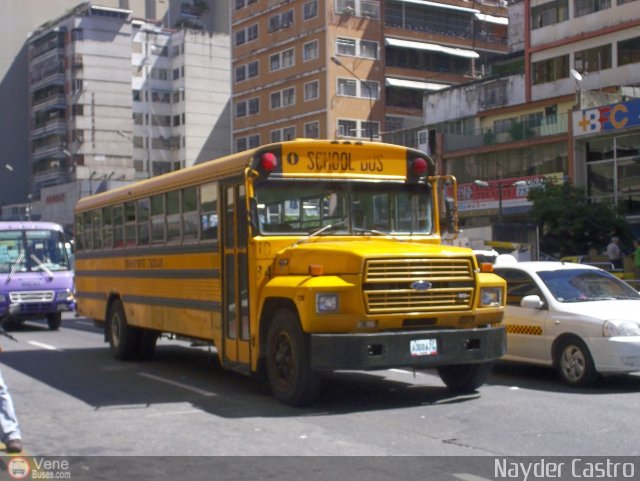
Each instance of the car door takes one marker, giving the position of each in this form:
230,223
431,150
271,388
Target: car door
525,326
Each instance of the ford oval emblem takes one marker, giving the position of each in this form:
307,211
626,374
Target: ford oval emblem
421,285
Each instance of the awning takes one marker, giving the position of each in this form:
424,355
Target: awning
426,3
413,84
397,42
492,19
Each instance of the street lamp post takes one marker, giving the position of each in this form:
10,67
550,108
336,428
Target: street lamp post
500,185
362,82
27,210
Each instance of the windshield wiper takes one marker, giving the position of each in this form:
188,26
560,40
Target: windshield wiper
318,232
42,266
14,268
372,231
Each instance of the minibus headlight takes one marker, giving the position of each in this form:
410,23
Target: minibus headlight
491,297
326,302
66,295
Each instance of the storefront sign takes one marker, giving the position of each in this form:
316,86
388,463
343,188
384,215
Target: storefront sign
607,118
473,197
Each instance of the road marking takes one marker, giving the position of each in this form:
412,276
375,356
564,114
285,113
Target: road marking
179,384
174,413
469,477
41,345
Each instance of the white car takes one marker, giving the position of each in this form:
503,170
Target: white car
578,318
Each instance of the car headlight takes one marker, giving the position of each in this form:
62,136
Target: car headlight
490,297
326,302
66,295
620,328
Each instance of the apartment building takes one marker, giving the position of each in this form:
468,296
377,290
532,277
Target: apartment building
351,68
31,18
115,99
568,114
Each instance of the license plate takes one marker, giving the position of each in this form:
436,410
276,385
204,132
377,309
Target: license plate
423,347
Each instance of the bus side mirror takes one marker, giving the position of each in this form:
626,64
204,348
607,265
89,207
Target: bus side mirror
450,215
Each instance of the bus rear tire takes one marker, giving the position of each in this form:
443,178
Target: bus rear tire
123,339
54,320
146,344
287,361
465,378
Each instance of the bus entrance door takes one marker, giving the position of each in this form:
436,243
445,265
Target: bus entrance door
236,351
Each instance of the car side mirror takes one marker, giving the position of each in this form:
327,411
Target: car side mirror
532,302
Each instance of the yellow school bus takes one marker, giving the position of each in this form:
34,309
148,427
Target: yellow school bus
293,259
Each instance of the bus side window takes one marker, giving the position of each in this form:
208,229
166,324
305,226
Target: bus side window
209,211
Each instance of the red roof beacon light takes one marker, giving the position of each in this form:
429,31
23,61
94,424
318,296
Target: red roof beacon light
268,162
419,166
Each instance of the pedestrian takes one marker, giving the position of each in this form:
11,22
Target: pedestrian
614,253
636,258
11,436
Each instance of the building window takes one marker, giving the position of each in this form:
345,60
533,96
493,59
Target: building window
549,13
283,98
356,88
359,8
280,135
282,60
358,129
310,10
311,90
312,130
252,69
347,87
310,51
240,73
247,107
369,49
346,46
280,21
593,59
246,34
629,51
585,7
357,48
244,143
551,69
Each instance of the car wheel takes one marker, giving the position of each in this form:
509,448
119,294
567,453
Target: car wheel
54,320
465,378
287,361
574,363
123,339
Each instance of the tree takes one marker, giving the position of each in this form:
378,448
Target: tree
570,223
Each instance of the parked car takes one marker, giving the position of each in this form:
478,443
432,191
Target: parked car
577,318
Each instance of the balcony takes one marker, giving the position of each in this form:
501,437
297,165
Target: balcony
522,130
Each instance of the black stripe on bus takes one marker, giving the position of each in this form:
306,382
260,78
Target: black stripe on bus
98,296
209,248
179,303
154,273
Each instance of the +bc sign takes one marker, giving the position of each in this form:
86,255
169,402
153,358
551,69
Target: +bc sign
607,118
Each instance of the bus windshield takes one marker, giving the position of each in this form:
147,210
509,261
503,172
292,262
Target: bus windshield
32,251
297,207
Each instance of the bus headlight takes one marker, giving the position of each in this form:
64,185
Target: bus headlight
490,297
326,302
66,295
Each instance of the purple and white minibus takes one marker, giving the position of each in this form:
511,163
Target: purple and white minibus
36,278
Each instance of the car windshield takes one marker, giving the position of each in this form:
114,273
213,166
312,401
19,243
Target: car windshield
303,207
580,285
32,250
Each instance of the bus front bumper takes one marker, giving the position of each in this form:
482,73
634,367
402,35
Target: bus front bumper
370,351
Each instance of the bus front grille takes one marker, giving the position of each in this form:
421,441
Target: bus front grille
418,285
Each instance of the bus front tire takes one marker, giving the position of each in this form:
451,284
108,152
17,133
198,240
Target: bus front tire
465,378
123,339
54,320
290,376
